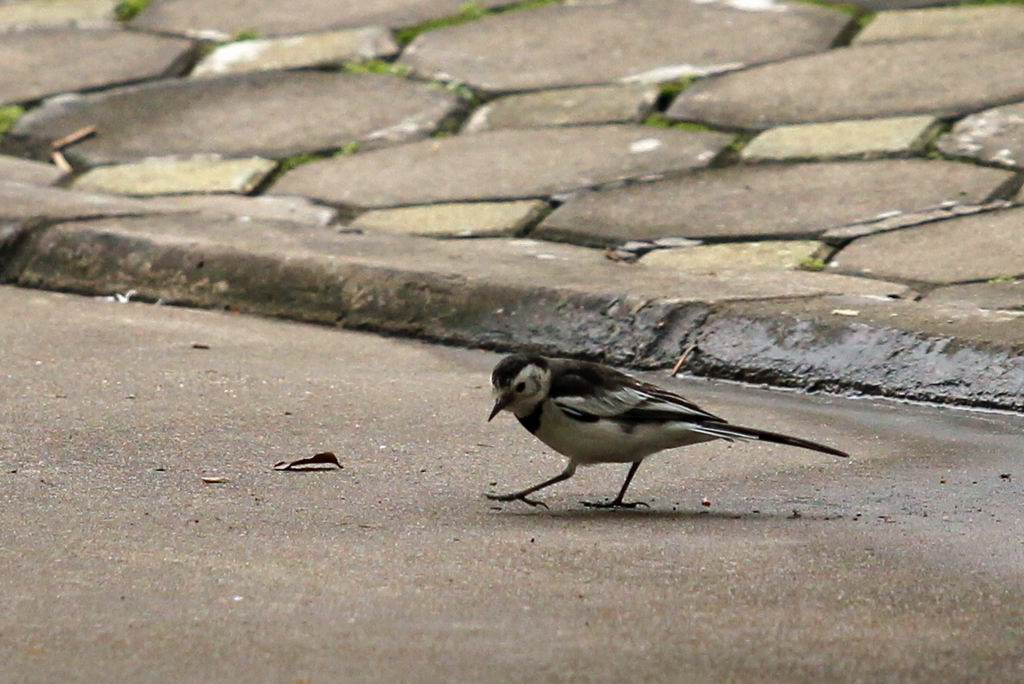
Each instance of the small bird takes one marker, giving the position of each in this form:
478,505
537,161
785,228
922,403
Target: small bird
591,413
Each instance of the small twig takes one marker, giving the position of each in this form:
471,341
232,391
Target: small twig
60,162
72,138
682,359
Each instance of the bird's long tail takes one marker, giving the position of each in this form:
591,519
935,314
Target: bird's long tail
729,431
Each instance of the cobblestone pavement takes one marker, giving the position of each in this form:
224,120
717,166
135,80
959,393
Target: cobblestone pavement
799,193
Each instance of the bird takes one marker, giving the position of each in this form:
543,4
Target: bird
591,413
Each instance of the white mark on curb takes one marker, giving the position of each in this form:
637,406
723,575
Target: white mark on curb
208,34
673,71
757,5
118,297
747,5
222,59
478,121
645,145
399,131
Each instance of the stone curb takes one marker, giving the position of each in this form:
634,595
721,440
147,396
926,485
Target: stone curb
842,355
896,349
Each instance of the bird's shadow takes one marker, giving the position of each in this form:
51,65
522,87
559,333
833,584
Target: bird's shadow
640,514
306,469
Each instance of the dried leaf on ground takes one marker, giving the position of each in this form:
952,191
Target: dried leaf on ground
323,458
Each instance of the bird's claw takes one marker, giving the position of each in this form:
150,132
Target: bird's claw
516,497
614,504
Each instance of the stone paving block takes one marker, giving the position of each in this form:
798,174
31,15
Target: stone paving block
746,202
27,14
28,171
994,295
603,42
994,135
978,247
842,139
221,20
245,209
993,21
943,78
22,201
775,255
272,114
38,64
468,219
178,176
499,165
566,107
313,50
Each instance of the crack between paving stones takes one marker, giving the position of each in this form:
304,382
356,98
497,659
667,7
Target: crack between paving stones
841,243
450,20
175,72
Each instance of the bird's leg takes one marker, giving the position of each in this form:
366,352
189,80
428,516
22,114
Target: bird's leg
522,495
618,502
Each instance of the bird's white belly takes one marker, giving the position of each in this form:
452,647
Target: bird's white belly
605,441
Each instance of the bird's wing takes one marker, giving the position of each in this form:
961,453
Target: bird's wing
592,391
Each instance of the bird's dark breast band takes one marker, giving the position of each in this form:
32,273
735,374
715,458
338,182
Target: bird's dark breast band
532,421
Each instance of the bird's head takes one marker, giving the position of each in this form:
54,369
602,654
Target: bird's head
519,382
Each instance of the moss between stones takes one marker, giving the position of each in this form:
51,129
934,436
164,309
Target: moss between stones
386,68
812,264
126,10
377,66
289,163
844,7
298,160
667,92
739,142
205,48
661,121
461,90
248,34
865,19
862,15
8,117
471,11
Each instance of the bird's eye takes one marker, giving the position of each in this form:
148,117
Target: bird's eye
520,387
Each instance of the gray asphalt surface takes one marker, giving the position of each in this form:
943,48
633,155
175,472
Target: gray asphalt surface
119,563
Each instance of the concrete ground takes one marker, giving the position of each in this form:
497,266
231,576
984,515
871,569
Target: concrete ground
119,563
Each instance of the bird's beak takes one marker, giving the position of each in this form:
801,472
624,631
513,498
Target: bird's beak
499,405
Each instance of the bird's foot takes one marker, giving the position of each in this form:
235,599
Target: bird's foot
618,503
516,496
